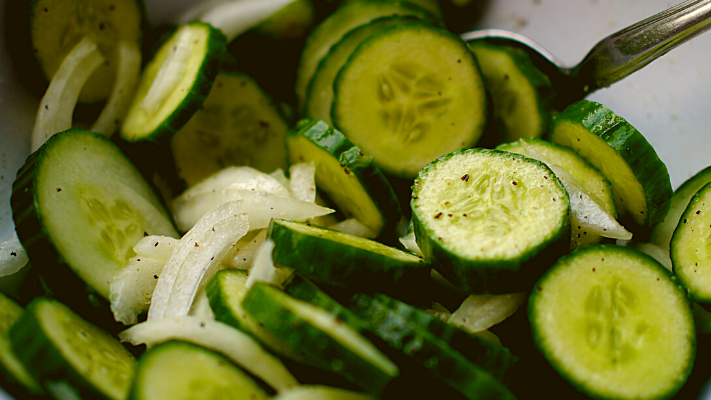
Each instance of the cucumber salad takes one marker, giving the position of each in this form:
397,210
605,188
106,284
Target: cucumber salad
334,199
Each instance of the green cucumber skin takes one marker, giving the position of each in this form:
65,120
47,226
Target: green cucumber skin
20,386
44,362
434,354
314,257
312,344
355,162
501,277
538,340
627,141
214,56
57,277
492,357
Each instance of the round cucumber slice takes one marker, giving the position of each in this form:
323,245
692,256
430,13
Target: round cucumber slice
350,178
521,94
67,354
689,249
640,180
237,124
49,29
79,207
175,83
408,95
490,221
615,323
184,371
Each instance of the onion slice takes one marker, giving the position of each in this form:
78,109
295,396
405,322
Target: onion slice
238,16
302,181
354,227
316,392
480,312
263,269
12,255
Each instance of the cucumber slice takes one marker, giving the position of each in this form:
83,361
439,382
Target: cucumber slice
332,29
583,172
79,207
237,125
47,30
350,178
317,392
434,354
662,233
340,259
12,371
640,180
67,354
615,323
184,371
175,83
511,207
323,340
319,93
521,94
430,5
291,22
408,95
689,250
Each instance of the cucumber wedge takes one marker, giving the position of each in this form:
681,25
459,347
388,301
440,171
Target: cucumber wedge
615,323
521,94
490,221
640,180
434,354
332,29
79,207
322,340
350,178
45,31
340,259
175,83
408,95
13,374
237,125
689,249
184,371
67,354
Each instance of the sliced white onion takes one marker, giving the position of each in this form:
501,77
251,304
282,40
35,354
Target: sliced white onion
236,17
261,207
653,251
278,174
56,108
585,209
302,183
200,8
230,342
169,276
316,392
133,286
354,227
242,253
263,269
12,255
480,312
127,74
201,306
410,244
240,178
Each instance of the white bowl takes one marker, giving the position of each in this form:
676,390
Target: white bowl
668,101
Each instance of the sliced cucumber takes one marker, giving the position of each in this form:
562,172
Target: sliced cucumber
640,180
317,392
47,30
689,249
332,29
79,207
490,221
434,354
662,233
175,83
430,5
615,323
291,22
320,338
350,178
520,92
12,371
340,259
67,354
408,95
319,93
583,172
184,371
237,125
